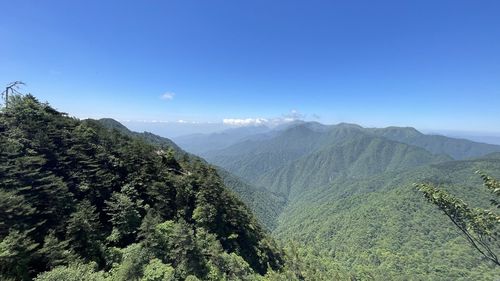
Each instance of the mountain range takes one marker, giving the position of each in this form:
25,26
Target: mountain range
331,202
348,193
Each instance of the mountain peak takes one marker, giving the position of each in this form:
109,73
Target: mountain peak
398,132
111,123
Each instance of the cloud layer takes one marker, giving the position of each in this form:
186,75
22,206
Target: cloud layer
293,115
245,122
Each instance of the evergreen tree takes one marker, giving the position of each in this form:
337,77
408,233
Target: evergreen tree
83,232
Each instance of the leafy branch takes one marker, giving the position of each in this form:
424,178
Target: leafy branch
479,226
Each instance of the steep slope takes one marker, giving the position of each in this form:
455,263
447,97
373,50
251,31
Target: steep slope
349,197
74,192
382,227
457,148
359,157
265,205
309,155
146,136
251,158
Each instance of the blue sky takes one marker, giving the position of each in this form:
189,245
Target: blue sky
433,65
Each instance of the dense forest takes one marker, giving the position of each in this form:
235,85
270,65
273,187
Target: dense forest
92,200
83,202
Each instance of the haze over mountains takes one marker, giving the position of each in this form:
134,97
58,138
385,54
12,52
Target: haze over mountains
201,143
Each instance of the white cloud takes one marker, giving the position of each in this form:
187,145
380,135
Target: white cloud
168,96
245,122
293,115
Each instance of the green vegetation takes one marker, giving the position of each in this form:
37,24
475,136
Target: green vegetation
91,200
480,226
83,202
349,197
265,204
383,229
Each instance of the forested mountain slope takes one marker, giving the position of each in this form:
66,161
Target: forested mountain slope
350,197
78,195
148,137
308,155
358,157
253,157
382,228
265,204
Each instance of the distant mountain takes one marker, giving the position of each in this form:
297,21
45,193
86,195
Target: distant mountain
482,139
359,157
313,154
201,143
457,148
250,159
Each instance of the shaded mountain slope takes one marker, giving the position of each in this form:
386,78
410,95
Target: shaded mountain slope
265,204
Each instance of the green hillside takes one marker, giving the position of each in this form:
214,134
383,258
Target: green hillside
383,228
252,158
82,200
265,205
148,137
358,157
92,200
350,198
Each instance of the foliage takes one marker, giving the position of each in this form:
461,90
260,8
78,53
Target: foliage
348,196
158,271
381,228
81,200
480,226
